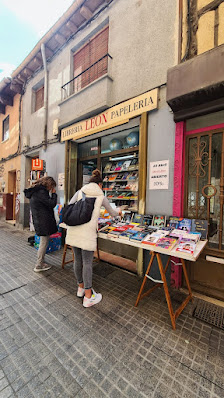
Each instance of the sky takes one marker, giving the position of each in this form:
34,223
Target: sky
22,24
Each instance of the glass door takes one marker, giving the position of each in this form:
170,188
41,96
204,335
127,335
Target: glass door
204,184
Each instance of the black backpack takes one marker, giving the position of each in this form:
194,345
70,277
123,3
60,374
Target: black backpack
79,212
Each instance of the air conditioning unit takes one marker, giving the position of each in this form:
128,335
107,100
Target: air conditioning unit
26,141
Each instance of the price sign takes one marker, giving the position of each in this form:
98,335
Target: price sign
159,175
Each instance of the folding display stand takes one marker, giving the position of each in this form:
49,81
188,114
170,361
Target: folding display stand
173,315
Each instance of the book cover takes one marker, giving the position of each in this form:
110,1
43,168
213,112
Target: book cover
138,236
133,176
184,224
159,221
172,222
151,239
194,236
113,234
113,166
186,246
113,177
107,167
133,164
126,165
137,219
200,226
147,220
127,217
124,176
127,234
166,242
119,165
106,230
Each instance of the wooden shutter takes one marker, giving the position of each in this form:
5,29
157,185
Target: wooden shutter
91,53
5,134
39,100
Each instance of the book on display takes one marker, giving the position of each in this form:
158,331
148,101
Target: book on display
184,224
126,165
173,222
186,246
138,236
166,242
151,239
159,221
107,167
200,226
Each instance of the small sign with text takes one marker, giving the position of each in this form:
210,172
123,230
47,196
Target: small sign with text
159,175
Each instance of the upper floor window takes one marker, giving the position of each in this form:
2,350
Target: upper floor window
39,98
5,129
91,61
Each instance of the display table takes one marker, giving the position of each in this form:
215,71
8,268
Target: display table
155,253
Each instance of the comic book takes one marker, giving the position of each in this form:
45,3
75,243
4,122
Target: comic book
159,221
166,242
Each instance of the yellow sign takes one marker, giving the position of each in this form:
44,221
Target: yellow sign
114,116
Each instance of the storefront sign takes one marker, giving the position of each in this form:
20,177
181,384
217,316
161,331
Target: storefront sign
37,164
114,116
159,175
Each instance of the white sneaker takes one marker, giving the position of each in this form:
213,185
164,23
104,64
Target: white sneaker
42,267
80,292
94,299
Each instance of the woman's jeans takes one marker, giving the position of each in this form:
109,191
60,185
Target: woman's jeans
83,266
42,250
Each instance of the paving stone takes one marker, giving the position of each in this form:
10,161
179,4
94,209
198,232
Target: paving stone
51,347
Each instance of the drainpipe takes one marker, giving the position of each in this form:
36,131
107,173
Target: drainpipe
45,95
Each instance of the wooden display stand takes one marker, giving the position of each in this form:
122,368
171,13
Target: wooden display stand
156,253
173,315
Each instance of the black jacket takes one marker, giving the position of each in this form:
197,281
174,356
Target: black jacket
42,206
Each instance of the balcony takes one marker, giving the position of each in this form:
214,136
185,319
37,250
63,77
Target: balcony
88,92
196,87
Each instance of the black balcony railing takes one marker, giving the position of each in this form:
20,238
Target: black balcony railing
89,75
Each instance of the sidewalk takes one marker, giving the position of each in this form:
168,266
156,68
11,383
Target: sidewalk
51,346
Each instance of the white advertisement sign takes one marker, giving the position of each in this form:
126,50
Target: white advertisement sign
61,181
159,174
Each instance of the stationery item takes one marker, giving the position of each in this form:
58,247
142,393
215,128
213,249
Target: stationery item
200,226
166,242
159,221
184,224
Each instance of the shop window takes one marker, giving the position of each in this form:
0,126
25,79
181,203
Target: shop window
122,140
89,148
5,129
91,61
39,98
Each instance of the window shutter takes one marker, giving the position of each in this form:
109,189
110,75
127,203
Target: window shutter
39,100
91,53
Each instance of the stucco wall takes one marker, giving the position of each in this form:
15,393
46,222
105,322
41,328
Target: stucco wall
143,46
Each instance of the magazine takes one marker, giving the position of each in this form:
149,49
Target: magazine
200,226
184,224
159,221
186,246
119,165
126,165
133,164
166,242
107,167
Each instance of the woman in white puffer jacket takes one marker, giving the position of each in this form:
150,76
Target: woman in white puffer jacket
83,239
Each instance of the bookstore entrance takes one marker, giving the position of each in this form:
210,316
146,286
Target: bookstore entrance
116,155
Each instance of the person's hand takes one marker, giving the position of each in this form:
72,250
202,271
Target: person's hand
53,190
120,212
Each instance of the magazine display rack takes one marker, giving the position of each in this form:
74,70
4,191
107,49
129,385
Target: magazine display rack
120,181
155,253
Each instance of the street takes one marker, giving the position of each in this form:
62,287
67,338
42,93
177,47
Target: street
51,346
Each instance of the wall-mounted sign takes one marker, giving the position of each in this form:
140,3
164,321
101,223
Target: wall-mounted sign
37,164
114,116
159,174
61,181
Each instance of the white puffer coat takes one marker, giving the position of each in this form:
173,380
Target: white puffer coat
85,236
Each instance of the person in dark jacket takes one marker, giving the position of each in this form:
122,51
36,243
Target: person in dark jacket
43,199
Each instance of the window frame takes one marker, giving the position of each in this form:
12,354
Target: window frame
4,131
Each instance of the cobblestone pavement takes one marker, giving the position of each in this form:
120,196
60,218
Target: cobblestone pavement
51,346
